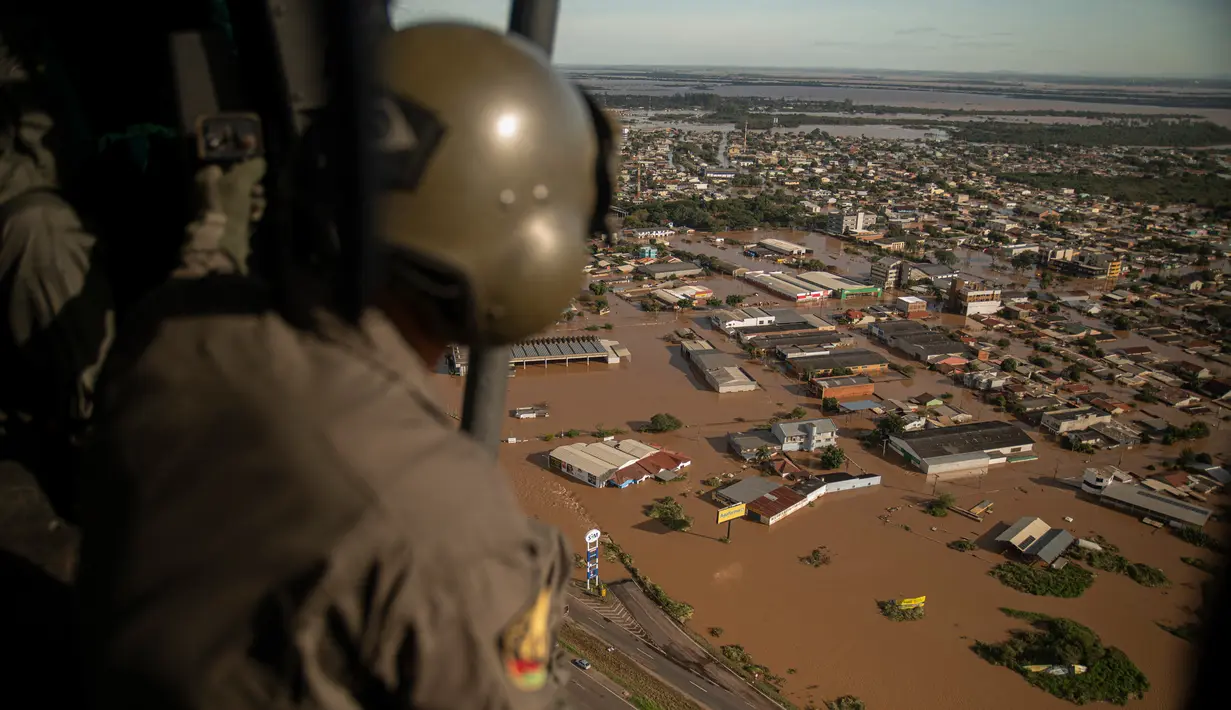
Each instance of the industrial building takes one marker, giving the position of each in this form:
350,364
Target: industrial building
689,294
838,286
782,246
788,286
856,360
546,351
916,340
616,464
672,270
1061,421
803,324
964,448
912,272
730,320
857,387
769,502
719,370
1036,540
1137,499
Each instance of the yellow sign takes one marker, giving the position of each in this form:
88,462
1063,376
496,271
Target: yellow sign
912,603
732,512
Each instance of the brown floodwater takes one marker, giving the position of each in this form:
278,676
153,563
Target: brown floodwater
823,622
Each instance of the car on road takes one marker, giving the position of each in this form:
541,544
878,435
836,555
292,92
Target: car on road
581,663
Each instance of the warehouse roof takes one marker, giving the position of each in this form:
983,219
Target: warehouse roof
1158,503
964,439
856,357
775,502
749,489
557,347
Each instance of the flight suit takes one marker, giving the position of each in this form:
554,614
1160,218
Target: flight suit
56,323
284,517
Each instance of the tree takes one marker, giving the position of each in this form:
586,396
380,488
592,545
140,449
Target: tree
946,257
798,413
763,454
1025,260
830,404
1008,365
890,424
1003,343
735,299
660,423
598,288
669,512
1121,323
832,457
713,302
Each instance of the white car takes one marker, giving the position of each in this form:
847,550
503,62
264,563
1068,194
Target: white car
582,663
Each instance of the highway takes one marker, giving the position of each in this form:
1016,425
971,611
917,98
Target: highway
704,692
589,690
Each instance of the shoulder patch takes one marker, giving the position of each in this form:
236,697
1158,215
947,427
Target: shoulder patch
526,645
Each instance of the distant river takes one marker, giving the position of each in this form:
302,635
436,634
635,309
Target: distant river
899,97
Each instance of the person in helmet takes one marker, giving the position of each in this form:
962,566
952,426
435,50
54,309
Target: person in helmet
283,514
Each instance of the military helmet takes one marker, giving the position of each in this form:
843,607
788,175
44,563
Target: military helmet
494,170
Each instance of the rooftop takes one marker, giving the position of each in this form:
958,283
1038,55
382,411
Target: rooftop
1159,503
749,489
964,439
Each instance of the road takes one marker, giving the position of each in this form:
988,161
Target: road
590,690
704,692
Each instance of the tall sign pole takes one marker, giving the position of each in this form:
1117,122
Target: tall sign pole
592,559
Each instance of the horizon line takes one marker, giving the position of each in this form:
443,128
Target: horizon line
996,72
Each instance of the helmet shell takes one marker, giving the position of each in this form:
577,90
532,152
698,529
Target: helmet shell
505,195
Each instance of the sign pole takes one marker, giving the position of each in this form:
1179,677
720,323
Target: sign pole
729,522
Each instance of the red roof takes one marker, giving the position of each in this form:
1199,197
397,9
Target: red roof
768,507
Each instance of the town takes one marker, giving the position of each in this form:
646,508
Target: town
1017,351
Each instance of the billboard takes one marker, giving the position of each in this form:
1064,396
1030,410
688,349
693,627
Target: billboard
592,556
592,573
912,603
732,512
593,536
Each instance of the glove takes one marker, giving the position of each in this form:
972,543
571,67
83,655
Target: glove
237,196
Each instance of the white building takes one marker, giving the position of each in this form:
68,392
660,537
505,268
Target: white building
730,320
783,247
849,222
614,464
806,435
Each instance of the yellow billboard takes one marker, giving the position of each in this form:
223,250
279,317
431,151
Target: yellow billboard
732,512
912,603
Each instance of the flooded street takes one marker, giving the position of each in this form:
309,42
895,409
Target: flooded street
823,622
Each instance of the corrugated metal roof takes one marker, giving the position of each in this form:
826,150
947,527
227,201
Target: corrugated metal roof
610,454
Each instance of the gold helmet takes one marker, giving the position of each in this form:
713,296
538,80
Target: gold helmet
495,170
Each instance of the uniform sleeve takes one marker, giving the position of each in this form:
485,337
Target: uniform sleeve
61,309
457,631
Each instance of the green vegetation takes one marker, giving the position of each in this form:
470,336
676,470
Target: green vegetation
677,610
1068,582
1109,559
660,423
1203,565
1200,538
1204,190
830,405
669,512
768,209
1129,132
819,557
1196,430
939,507
644,703
716,631
736,654
624,671
846,702
832,457
963,545
1110,676
735,299
797,413
602,432
890,610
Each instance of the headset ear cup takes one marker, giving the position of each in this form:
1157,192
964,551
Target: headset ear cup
606,168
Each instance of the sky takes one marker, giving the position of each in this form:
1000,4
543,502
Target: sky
1146,38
